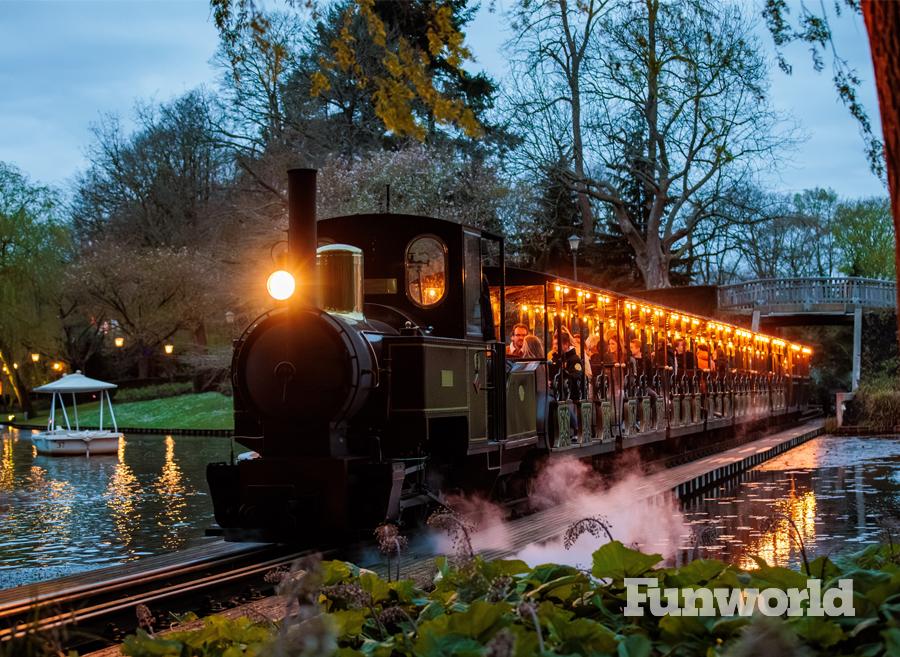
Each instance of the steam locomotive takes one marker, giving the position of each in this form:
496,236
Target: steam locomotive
382,384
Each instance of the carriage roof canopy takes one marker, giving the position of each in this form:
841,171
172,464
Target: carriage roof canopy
77,382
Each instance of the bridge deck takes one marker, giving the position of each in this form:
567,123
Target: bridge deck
812,295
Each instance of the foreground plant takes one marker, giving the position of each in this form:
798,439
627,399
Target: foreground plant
507,608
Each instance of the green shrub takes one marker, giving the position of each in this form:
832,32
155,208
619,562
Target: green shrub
158,391
476,608
877,405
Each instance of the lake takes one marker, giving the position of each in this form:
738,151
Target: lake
61,515
836,493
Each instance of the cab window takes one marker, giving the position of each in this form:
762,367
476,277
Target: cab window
426,270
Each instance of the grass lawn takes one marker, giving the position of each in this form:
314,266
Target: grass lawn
209,410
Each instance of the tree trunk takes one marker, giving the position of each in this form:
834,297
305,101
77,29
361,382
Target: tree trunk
655,270
15,381
143,362
883,24
200,338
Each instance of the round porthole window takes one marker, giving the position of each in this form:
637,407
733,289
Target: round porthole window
426,270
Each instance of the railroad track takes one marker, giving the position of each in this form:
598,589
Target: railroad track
90,616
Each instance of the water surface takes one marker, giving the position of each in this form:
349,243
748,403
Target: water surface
60,515
840,493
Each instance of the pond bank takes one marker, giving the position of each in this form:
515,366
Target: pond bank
208,413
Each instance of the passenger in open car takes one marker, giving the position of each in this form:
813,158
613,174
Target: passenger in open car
566,373
532,347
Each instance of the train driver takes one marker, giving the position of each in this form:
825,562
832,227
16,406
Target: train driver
516,346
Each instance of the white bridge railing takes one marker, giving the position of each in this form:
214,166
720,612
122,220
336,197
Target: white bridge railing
806,294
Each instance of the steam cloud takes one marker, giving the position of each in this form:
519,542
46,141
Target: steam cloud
651,526
577,491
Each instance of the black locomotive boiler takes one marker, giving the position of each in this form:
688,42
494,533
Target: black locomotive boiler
383,384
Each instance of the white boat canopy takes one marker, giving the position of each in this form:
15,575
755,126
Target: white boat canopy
77,382
72,384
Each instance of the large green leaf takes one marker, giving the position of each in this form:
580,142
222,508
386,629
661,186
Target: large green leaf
349,624
480,621
824,568
875,586
335,572
377,587
373,648
501,567
432,644
583,636
551,614
561,588
675,629
142,644
548,572
725,628
696,572
615,561
460,631
766,576
635,645
891,642
818,629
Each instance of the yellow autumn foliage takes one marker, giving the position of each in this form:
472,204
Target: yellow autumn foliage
407,77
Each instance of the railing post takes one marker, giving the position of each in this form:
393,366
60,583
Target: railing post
857,348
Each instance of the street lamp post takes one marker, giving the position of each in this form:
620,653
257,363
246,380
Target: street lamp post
574,243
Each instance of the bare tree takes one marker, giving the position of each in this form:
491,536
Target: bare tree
673,96
158,186
150,294
555,41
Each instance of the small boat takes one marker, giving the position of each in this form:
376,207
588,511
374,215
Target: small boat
59,441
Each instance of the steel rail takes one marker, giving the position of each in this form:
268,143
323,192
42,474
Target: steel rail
75,592
93,611
128,603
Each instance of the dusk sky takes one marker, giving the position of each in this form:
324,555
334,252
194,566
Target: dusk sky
64,64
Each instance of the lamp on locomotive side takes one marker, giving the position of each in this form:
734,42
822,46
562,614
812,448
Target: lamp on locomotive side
169,348
281,285
119,342
35,358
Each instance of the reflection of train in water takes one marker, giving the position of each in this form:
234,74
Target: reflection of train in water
388,387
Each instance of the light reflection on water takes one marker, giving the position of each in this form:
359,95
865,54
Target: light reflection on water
836,493
60,515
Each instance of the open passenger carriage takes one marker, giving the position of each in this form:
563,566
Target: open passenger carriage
649,372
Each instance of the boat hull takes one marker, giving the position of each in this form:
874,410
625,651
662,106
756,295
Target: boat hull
76,443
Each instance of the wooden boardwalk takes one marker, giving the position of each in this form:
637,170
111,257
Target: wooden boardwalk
657,487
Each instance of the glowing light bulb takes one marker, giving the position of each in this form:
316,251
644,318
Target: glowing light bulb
280,285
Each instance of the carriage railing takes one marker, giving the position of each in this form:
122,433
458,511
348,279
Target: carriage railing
808,292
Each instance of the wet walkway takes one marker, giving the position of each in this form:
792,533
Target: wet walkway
659,489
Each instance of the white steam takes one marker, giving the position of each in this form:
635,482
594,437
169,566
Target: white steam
570,490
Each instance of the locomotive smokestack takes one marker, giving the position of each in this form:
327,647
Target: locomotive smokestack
302,236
